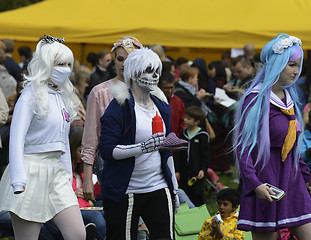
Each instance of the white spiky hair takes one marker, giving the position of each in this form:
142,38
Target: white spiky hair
138,61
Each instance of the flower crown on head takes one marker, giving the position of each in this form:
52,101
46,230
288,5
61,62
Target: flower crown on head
127,43
285,43
51,39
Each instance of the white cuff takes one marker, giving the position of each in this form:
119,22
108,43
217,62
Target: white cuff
126,151
18,188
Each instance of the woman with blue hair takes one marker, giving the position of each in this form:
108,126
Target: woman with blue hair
267,143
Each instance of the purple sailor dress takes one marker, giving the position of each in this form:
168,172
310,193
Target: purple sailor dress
295,207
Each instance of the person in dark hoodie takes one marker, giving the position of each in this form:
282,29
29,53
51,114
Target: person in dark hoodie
204,80
193,164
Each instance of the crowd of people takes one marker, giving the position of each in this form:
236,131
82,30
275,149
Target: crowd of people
80,157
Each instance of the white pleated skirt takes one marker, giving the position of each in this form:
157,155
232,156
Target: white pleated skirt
48,190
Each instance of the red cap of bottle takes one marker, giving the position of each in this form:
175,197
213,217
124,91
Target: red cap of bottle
157,124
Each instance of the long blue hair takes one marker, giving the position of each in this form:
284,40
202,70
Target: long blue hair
252,121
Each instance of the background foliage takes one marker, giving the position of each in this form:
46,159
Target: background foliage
13,4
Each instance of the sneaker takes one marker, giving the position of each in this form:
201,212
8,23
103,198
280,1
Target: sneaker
220,186
142,235
228,173
90,229
236,180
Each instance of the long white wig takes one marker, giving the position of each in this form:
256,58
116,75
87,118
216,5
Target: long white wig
138,61
39,71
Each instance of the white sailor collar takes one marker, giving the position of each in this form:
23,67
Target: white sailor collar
275,100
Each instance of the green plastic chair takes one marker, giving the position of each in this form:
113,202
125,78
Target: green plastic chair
248,236
188,222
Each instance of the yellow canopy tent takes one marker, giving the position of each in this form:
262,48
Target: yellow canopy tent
193,24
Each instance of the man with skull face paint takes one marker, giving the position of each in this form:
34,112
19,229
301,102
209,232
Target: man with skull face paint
98,100
137,178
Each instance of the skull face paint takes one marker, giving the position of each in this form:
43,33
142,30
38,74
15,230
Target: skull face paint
149,78
142,68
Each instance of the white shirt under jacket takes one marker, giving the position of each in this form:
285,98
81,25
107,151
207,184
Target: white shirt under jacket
29,135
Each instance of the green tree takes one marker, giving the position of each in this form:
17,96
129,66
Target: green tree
6,5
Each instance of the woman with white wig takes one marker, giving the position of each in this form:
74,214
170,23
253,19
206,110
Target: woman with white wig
36,187
138,179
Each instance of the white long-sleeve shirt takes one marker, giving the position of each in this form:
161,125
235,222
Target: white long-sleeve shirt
29,135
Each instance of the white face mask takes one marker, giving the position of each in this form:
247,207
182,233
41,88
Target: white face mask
60,75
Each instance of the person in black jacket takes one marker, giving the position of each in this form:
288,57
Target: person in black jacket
10,64
103,70
191,168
